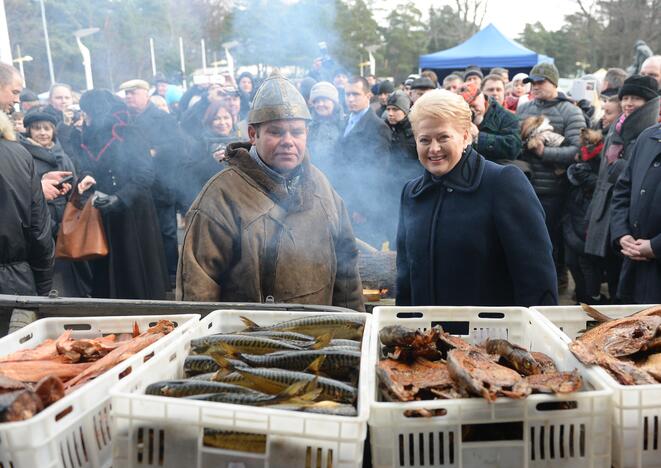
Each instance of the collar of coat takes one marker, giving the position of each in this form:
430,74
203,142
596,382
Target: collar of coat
640,119
464,177
297,199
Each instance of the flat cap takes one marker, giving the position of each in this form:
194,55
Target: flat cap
134,84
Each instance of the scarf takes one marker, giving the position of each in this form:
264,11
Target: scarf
586,154
614,150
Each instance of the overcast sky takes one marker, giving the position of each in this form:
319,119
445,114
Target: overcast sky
510,16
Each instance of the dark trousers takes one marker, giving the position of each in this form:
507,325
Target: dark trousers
554,210
167,219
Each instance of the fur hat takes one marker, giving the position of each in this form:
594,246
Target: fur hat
38,116
641,86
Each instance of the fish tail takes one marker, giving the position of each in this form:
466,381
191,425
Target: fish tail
228,349
303,391
222,361
594,313
315,366
322,341
250,325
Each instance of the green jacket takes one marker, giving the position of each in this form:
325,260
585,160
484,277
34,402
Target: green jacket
499,136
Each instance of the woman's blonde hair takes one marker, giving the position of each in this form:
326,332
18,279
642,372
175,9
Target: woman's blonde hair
442,105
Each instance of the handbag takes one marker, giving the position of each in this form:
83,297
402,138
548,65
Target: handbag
81,235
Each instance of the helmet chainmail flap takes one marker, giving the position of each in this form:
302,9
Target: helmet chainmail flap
277,99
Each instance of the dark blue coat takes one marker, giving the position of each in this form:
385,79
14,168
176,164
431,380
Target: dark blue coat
636,211
474,237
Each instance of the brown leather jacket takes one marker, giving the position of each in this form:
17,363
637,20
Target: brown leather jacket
248,238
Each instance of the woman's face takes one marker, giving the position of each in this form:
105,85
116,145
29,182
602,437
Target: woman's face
631,103
440,144
42,133
222,124
323,107
611,112
245,85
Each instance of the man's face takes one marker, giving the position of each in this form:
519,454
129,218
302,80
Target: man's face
161,88
11,94
357,98
544,90
234,104
137,99
395,115
652,69
417,94
478,108
280,143
474,79
340,80
453,85
60,98
383,98
495,89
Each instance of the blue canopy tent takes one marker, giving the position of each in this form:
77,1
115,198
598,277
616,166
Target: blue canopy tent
488,48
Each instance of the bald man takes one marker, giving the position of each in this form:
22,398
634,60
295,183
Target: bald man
652,67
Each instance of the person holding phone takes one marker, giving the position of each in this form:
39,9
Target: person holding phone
57,173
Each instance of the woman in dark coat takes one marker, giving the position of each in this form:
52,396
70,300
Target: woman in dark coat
206,154
70,279
117,157
247,90
640,109
471,232
636,221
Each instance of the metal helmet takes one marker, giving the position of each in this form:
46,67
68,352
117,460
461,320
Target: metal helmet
277,99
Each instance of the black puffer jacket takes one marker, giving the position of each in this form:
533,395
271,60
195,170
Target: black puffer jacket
548,170
26,244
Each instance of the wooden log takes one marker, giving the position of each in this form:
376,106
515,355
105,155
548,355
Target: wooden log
378,270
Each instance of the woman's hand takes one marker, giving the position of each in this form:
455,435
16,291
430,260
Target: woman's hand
85,184
639,250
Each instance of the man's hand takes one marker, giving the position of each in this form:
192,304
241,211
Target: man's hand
51,192
55,175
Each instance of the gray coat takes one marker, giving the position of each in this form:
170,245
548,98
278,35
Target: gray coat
599,213
567,120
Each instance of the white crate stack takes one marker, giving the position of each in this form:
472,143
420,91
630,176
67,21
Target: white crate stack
74,432
569,431
150,431
636,408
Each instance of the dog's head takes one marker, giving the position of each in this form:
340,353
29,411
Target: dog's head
590,137
529,125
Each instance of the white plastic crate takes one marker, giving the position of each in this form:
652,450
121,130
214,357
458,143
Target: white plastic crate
537,431
150,431
636,408
74,432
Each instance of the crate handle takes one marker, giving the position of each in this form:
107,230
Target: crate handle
125,372
77,326
491,315
425,413
148,357
174,322
25,338
557,405
492,432
409,315
63,413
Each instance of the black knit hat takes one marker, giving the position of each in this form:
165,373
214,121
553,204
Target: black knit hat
473,70
386,87
38,116
641,86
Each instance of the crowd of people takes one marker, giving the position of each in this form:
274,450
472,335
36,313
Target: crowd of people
490,189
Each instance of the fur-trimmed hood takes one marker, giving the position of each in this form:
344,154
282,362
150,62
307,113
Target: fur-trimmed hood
6,128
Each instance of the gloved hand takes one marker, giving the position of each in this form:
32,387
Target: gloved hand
107,203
